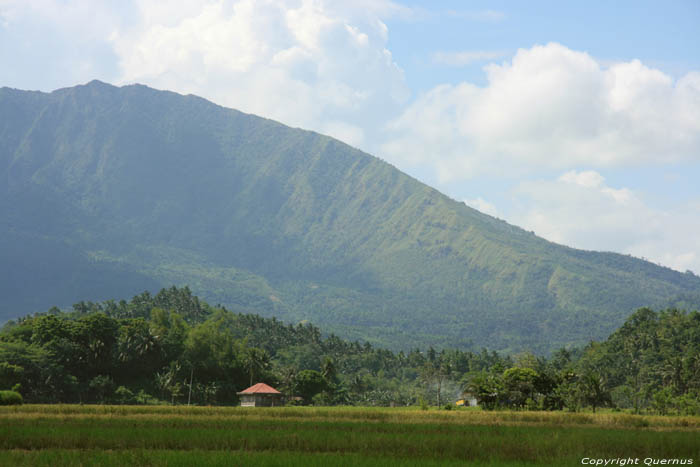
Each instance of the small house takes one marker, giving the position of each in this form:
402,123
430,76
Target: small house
261,395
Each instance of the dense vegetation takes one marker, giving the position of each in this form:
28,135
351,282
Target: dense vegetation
105,191
172,347
651,363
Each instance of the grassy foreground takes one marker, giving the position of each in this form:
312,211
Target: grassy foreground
58,435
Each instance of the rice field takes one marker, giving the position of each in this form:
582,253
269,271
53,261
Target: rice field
56,435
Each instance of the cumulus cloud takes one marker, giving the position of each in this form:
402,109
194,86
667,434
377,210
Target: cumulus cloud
482,205
318,65
321,65
48,44
550,108
579,209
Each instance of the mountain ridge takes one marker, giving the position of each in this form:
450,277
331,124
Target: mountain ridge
174,189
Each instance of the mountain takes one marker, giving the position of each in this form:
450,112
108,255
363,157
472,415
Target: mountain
110,191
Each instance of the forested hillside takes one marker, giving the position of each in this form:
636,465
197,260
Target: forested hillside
107,191
153,348
146,350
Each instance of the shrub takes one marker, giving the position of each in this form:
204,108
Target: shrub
10,398
687,404
423,404
530,404
146,399
101,388
124,395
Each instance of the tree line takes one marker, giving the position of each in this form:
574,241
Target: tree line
175,348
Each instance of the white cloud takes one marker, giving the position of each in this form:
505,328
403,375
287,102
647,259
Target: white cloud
465,57
347,133
428,134
482,205
589,178
579,209
550,108
489,16
48,44
317,65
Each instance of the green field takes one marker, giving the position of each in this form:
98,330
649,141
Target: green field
136,435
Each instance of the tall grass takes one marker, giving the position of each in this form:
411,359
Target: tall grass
53,458
366,415
358,436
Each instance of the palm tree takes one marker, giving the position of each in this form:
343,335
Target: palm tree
256,360
595,390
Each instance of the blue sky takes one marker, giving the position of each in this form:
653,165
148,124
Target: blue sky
577,120
662,34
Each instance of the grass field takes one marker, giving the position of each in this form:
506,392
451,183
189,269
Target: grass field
55,435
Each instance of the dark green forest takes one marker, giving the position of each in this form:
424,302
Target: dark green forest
174,348
108,191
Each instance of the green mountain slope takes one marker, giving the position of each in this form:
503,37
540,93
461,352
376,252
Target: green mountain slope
107,191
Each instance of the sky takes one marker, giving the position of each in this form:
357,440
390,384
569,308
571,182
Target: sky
579,121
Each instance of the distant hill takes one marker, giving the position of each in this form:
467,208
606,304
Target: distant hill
109,191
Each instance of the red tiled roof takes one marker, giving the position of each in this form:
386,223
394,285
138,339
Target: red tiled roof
260,388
